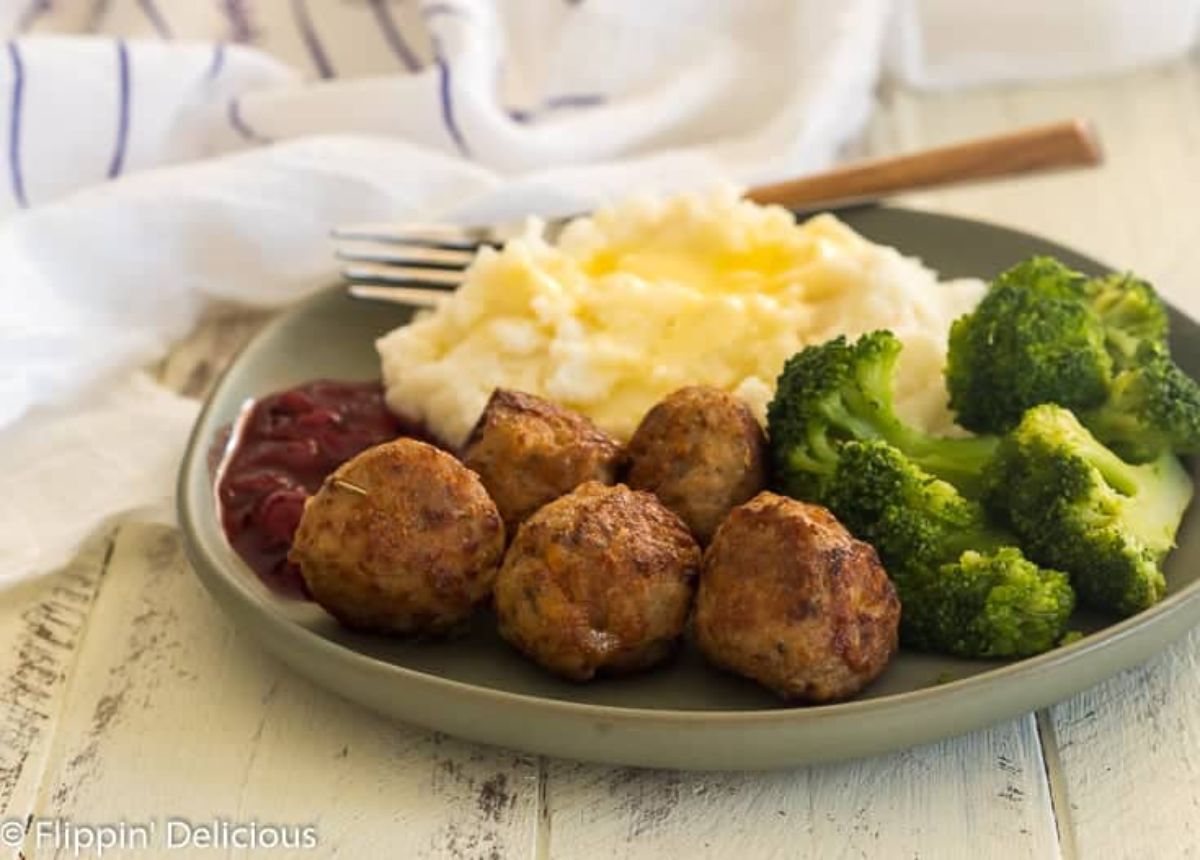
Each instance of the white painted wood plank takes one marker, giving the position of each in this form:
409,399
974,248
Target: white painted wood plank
172,713
1126,753
1130,757
41,624
985,792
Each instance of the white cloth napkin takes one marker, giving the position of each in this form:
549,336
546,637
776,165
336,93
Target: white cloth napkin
163,154
481,116
770,85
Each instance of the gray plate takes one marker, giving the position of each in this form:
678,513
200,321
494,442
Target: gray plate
684,715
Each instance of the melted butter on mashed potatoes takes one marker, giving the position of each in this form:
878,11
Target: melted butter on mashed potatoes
650,295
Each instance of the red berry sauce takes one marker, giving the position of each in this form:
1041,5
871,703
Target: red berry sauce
289,443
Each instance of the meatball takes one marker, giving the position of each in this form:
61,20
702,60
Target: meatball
790,599
599,580
529,451
701,451
400,539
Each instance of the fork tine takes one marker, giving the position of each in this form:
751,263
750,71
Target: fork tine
398,254
384,273
398,295
440,235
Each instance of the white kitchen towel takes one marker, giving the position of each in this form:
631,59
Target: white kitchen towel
163,154
150,177
95,89
771,85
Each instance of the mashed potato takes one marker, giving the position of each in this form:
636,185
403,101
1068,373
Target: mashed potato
653,294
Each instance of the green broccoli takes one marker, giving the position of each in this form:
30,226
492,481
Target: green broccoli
837,392
1127,307
1130,311
1077,506
1047,276
1031,340
1047,334
1152,407
964,587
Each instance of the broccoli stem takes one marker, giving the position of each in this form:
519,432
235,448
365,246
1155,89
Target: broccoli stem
959,461
1117,422
1164,493
1126,479
1162,490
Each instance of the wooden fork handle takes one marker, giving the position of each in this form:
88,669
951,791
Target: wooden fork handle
1071,143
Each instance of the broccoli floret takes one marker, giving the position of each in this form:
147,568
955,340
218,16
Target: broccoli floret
1031,340
1152,407
1127,307
1047,334
1079,507
1130,311
837,392
964,587
996,604
910,516
1047,276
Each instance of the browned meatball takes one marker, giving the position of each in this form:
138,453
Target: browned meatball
400,539
789,598
529,451
701,451
599,580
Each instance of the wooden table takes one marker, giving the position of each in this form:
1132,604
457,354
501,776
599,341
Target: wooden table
127,695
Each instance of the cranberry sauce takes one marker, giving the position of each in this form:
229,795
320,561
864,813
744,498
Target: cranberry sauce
290,442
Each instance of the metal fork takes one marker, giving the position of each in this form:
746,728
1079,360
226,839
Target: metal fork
419,263
414,262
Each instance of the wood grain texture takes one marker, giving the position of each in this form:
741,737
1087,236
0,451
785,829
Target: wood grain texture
1053,146
1130,758
41,625
173,713
986,790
